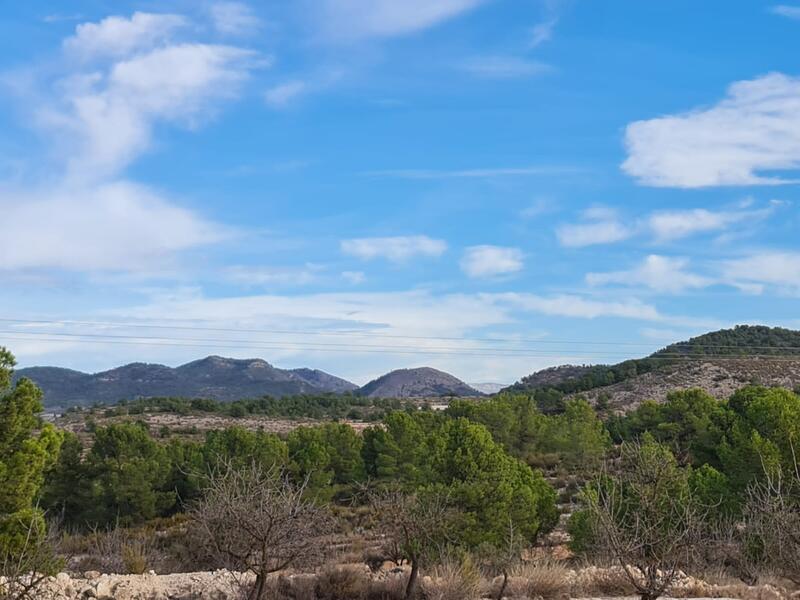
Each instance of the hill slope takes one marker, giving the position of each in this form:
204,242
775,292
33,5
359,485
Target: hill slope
212,377
417,383
719,362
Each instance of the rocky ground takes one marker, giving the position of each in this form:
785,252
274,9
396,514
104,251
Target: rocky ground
720,378
590,582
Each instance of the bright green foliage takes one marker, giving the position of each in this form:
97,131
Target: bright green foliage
691,422
396,451
186,468
764,438
241,447
489,487
328,455
344,448
578,436
309,459
129,471
575,437
67,491
712,490
27,449
485,484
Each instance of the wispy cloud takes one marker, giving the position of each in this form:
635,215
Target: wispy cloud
543,31
395,249
658,273
119,36
750,137
676,224
601,225
504,67
480,262
479,173
272,276
350,20
786,10
775,268
234,18
282,94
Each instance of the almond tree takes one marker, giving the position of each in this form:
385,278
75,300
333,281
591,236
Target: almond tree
644,517
255,519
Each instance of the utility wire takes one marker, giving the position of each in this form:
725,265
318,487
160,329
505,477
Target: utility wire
477,352
358,333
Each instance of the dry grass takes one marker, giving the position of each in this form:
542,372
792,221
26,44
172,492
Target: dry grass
545,579
453,580
392,587
121,551
594,581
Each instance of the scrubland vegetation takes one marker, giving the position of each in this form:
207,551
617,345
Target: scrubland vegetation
459,502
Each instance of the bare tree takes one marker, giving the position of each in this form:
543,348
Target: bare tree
254,519
414,526
771,518
645,519
501,559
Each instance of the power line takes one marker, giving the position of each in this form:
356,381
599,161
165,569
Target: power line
518,353
359,333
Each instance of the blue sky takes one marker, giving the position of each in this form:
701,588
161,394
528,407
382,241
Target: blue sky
484,186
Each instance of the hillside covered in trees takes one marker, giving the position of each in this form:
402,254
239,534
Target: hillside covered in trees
719,361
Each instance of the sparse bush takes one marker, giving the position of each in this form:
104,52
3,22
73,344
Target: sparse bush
342,582
391,587
122,551
453,580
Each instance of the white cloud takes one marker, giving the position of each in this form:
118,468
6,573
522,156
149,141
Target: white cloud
119,36
785,10
396,249
234,18
745,139
659,273
537,208
566,305
578,235
354,277
677,224
504,67
108,118
360,19
271,276
490,261
97,118
781,269
280,95
116,226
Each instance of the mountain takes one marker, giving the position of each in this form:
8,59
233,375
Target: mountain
488,387
417,383
211,377
719,362
324,380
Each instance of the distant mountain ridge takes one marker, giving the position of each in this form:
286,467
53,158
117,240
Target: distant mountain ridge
417,383
222,378
719,362
211,377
